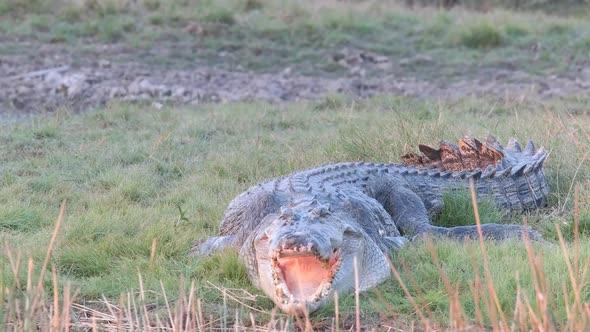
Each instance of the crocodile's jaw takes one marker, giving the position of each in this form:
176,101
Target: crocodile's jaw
301,261
300,283
302,280
278,277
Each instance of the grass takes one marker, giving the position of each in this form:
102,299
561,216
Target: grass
481,36
270,36
565,7
142,184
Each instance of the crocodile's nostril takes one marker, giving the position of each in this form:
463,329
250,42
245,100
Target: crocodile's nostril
294,242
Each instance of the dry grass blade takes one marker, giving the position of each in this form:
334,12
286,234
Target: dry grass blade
146,317
168,310
568,264
539,282
356,295
14,264
52,242
153,254
97,315
576,230
67,304
336,312
573,181
190,307
577,282
476,288
55,322
417,309
418,290
456,314
228,292
489,281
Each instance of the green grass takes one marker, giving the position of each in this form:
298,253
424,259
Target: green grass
142,184
482,35
563,7
269,36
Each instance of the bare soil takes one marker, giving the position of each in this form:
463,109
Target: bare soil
46,77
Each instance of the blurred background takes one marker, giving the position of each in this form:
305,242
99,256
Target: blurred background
81,54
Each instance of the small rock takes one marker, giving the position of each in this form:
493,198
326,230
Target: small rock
543,87
357,71
384,65
585,74
104,63
22,90
72,86
117,92
194,29
501,76
178,92
212,97
287,71
134,87
53,77
18,103
157,105
582,83
416,60
141,86
374,58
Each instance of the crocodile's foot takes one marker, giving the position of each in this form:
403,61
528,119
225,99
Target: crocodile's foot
211,245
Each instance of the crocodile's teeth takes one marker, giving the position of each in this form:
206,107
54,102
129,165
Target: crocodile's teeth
280,292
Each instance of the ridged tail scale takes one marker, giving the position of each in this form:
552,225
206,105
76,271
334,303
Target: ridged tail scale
513,176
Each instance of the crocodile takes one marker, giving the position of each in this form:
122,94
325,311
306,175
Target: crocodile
304,236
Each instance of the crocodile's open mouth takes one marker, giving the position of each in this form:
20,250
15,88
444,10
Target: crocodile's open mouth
301,276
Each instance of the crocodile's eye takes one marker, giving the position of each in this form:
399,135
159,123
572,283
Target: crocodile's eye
351,232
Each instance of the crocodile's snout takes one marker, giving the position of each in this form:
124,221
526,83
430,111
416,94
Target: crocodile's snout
296,241
300,242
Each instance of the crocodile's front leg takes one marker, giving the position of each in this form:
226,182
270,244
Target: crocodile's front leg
240,218
213,244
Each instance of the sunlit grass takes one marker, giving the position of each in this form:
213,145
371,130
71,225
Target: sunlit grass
143,184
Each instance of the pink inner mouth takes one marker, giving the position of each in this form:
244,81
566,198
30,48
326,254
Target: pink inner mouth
303,274
306,276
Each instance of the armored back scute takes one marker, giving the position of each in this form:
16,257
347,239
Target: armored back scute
511,175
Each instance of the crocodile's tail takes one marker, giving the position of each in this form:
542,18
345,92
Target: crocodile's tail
513,176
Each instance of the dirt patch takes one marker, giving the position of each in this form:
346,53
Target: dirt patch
54,77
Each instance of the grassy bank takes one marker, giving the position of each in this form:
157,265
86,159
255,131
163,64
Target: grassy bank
142,184
308,38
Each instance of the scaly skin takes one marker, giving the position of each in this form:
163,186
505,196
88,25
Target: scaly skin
298,235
